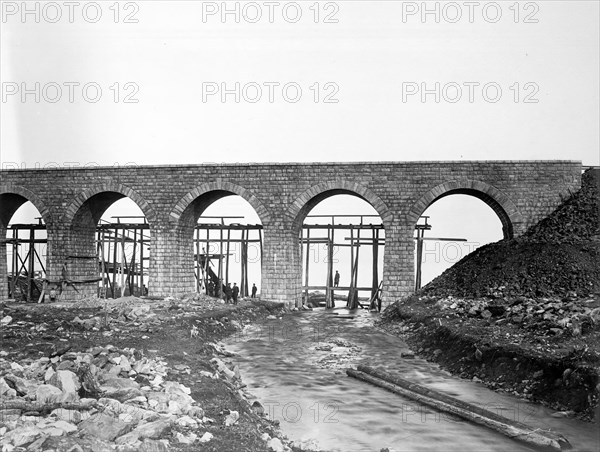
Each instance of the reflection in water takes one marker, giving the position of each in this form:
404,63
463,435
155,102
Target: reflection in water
296,368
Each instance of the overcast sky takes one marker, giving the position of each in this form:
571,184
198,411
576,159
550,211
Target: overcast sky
360,66
366,57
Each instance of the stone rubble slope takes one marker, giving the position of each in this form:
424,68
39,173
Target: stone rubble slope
111,398
108,398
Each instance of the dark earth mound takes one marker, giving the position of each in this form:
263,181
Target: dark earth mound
556,257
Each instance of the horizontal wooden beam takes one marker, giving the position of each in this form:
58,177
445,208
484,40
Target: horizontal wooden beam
336,288
473,413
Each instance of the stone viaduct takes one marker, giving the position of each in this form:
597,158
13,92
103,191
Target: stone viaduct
72,200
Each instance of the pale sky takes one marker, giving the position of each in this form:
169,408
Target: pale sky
368,54
369,57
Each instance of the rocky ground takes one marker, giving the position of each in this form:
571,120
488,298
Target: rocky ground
521,315
128,375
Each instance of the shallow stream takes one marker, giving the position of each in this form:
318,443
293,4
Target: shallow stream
296,369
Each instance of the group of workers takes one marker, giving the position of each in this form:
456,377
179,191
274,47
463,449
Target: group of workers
230,294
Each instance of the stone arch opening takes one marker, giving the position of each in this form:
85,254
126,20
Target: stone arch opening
499,202
340,235
462,217
219,231
109,244
23,247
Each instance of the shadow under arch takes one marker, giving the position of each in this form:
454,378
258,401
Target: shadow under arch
317,193
505,209
14,196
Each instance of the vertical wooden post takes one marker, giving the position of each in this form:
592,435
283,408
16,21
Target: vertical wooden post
220,288
329,293
350,290
108,276
113,240
244,283
241,251
206,261
99,256
14,264
141,275
331,250
227,256
131,273
260,241
198,259
30,266
420,233
375,280
306,278
123,264
327,285
354,303
104,274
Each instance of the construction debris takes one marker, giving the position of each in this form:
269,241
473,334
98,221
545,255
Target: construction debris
83,393
110,394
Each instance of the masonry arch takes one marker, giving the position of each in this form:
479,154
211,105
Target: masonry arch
464,215
500,203
22,259
110,192
13,196
317,193
353,240
96,252
204,195
221,247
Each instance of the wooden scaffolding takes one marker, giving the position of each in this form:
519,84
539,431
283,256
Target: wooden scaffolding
26,268
123,249
123,253
213,242
361,234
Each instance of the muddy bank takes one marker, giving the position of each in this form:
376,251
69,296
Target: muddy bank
182,334
561,372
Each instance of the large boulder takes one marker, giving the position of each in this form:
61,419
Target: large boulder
21,436
104,427
66,381
48,394
121,389
150,430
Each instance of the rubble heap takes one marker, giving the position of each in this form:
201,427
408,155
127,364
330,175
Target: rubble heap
556,258
545,316
576,219
103,399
